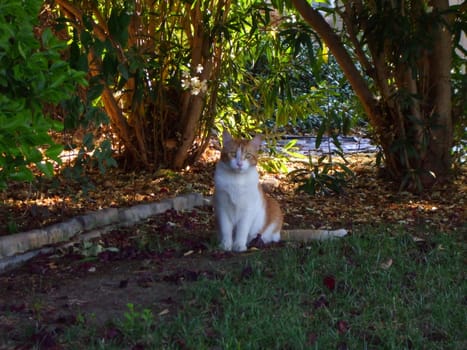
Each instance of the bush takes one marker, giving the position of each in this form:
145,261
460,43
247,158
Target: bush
32,75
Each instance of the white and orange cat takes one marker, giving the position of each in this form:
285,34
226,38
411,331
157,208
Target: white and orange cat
243,210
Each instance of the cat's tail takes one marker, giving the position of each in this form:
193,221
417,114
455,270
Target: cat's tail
311,235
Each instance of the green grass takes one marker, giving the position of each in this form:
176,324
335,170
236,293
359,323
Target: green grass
283,299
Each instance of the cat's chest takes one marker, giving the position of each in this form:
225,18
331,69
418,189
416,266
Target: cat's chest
239,187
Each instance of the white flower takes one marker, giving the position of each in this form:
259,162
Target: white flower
195,81
199,69
198,86
194,84
185,83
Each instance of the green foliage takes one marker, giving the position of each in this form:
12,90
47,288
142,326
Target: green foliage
275,160
279,77
142,62
459,102
136,326
401,50
32,75
322,176
262,76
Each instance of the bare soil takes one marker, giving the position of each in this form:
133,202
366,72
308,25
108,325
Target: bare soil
57,290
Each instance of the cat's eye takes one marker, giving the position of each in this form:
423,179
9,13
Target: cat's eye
248,156
232,154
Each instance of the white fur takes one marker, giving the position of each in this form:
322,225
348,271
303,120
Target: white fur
271,234
239,205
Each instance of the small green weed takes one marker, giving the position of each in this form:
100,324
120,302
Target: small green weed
137,326
322,176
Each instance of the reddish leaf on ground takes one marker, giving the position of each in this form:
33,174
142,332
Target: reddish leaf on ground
67,319
330,282
123,284
342,326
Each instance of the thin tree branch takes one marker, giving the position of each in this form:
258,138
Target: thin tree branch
325,31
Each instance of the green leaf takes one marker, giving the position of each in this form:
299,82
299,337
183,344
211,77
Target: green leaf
23,174
46,168
94,91
88,141
31,154
54,151
123,69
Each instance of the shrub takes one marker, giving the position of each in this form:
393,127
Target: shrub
32,75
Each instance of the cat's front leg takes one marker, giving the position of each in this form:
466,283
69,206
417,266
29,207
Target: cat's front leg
241,238
226,243
225,232
239,246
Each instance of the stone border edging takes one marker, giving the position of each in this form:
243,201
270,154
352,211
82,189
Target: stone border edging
20,247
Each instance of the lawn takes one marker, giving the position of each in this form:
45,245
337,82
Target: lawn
380,288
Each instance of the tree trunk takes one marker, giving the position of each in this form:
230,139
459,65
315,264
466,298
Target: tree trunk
359,85
438,160
412,117
205,51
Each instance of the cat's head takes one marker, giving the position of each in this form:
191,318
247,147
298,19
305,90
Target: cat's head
240,154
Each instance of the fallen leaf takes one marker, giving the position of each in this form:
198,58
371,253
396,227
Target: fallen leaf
386,264
112,333
342,326
164,312
330,282
188,253
257,243
138,346
46,338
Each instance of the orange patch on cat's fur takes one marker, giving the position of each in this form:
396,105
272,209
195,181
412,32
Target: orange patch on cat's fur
273,211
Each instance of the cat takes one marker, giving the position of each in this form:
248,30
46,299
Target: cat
243,211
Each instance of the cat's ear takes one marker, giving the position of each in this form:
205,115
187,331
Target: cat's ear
256,142
226,137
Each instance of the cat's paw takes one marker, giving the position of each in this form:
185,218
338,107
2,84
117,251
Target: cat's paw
227,246
239,247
